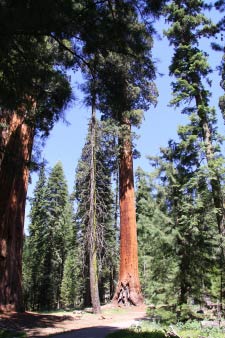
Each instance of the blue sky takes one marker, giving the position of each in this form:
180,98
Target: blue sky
160,124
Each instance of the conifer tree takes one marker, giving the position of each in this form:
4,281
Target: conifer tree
70,287
51,239
125,89
155,240
191,69
71,281
222,98
102,204
92,219
35,245
220,47
193,217
57,228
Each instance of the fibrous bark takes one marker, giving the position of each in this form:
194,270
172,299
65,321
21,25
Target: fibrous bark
13,189
8,124
128,289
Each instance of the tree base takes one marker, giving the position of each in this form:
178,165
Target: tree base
126,295
11,308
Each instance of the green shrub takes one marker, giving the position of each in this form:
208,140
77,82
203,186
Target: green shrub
11,334
164,315
186,313
132,334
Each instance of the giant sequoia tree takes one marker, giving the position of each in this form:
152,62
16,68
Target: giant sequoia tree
13,182
126,89
38,110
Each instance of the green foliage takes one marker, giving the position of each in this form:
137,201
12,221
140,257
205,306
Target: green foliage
70,287
36,50
58,224
153,227
126,87
29,76
194,329
71,281
189,329
133,334
10,334
123,82
51,239
186,313
187,194
105,228
176,214
35,245
199,142
222,83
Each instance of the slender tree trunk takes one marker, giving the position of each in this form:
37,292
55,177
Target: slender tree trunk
86,274
113,270
13,189
128,289
184,285
92,233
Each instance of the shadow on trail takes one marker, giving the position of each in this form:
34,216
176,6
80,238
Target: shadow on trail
90,332
103,331
31,323
25,321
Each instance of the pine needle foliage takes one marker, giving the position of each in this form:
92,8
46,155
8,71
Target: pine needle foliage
155,239
51,239
191,90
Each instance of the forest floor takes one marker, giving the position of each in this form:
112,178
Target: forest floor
45,324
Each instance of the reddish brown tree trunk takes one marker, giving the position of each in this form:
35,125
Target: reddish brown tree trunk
13,189
128,290
9,122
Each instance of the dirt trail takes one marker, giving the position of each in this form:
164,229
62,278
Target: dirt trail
79,324
96,332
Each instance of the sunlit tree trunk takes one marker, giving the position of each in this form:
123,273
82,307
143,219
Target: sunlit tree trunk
128,290
9,122
92,231
14,174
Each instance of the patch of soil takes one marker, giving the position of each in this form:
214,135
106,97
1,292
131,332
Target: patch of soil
41,325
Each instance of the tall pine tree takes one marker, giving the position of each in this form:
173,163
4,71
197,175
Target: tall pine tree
51,238
35,246
191,70
104,231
